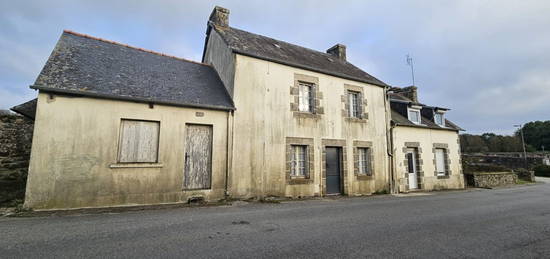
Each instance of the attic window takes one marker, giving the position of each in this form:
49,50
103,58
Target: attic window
439,119
414,115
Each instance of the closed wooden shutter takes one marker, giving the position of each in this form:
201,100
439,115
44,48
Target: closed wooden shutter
198,157
440,161
139,141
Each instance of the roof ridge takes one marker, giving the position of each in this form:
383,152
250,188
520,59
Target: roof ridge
132,47
320,52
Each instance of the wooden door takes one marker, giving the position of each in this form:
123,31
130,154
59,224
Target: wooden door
333,171
198,157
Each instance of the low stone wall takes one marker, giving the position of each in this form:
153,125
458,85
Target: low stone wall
493,179
15,149
525,175
512,160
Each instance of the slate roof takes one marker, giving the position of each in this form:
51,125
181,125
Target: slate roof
401,120
88,66
27,109
262,47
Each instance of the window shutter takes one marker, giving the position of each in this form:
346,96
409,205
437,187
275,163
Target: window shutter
360,105
138,141
312,99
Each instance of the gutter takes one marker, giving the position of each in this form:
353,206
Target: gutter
389,141
229,152
127,98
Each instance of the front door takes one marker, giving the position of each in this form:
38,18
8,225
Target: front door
411,168
198,157
333,170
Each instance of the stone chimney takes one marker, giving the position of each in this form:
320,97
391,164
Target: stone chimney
339,51
410,92
219,17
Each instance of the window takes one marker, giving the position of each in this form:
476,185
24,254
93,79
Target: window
138,141
440,161
364,163
305,97
299,161
414,116
438,118
354,103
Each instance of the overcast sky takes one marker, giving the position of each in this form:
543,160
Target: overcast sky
489,61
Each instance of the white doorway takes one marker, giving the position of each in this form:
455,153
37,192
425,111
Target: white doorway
411,168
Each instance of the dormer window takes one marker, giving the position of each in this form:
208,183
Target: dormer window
439,119
414,115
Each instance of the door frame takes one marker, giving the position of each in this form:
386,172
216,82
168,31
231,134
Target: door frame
341,144
186,125
341,182
414,153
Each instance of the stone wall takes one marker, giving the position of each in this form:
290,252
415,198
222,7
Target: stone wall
15,148
493,179
512,160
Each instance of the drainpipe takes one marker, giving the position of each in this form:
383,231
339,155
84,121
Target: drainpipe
389,141
229,152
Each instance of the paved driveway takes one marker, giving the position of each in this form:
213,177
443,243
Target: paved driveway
500,223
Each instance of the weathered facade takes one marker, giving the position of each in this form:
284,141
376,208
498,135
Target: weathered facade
426,149
259,117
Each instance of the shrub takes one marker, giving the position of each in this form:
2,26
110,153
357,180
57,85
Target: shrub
542,170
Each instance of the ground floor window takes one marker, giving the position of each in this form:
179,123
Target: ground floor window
440,161
299,161
364,161
138,141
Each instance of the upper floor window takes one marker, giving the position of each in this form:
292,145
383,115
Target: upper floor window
354,103
138,141
414,115
439,119
306,101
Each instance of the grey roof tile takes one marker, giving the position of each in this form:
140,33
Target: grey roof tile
266,48
27,109
84,65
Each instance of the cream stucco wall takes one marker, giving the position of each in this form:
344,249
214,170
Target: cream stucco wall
263,120
426,138
76,141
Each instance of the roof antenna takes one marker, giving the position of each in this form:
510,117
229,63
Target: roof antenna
410,63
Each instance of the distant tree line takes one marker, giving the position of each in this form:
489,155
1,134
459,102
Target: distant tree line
536,134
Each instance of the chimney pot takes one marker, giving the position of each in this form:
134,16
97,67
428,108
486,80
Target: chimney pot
339,51
219,17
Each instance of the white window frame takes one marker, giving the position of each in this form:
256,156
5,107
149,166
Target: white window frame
299,161
442,124
363,155
305,96
409,110
354,104
439,163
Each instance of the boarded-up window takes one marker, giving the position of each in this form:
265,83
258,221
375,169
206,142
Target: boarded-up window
138,141
364,161
299,161
440,161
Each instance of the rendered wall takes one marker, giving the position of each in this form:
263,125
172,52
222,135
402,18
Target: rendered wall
263,120
221,58
426,138
75,144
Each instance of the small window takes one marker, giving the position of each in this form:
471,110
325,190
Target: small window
439,120
364,162
440,161
414,116
299,161
305,97
138,141
354,104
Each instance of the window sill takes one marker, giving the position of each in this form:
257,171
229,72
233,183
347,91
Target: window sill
137,165
310,115
364,177
353,119
300,181
443,177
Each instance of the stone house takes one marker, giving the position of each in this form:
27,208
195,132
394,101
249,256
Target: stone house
258,117
426,145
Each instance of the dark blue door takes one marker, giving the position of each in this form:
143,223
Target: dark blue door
333,175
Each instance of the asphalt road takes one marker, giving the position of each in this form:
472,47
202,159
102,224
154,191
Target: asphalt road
499,223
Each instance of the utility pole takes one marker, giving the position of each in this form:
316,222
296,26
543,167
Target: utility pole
410,63
523,144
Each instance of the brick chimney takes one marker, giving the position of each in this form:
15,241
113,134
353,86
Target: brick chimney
339,51
219,17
